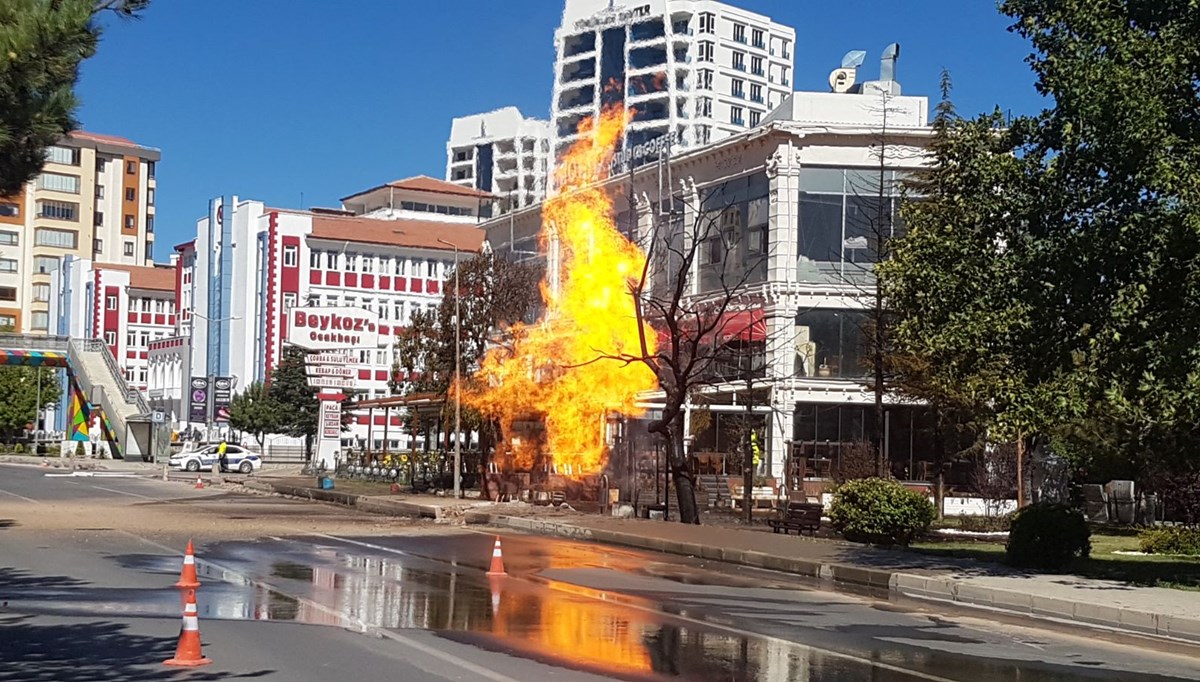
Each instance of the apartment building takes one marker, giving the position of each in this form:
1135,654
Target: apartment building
387,250
93,201
500,152
692,71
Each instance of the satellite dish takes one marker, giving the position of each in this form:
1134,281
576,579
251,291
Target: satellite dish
841,80
854,59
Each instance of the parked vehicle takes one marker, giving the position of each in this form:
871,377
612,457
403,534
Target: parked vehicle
206,459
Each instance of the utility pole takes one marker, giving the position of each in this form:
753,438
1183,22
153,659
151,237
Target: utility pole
457,378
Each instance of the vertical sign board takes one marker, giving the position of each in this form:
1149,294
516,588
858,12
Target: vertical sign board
332,331
222,391
198,400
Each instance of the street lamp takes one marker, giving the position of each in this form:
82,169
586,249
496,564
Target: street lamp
457,378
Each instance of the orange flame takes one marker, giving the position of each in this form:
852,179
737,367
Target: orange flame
553,370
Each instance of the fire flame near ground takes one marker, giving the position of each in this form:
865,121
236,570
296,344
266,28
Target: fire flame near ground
552,369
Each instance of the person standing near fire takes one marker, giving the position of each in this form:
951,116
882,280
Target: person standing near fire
222,458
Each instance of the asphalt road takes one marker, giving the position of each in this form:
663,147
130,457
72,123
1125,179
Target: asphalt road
296,591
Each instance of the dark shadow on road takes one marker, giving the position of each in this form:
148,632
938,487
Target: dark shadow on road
97,651
16,579
7,523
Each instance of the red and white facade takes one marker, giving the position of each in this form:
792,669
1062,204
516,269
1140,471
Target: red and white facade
388,250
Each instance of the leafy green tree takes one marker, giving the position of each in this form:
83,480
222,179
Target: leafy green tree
19,386
256,411
492,294
42,43
297,400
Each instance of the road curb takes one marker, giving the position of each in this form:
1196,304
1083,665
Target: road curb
365,503
925,587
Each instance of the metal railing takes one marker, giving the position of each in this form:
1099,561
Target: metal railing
131,395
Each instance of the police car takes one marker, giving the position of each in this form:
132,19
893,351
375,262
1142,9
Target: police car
206,459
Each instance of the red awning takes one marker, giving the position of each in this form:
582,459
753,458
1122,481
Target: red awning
740,325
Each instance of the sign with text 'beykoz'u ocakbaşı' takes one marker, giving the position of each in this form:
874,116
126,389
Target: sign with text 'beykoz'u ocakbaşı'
333,328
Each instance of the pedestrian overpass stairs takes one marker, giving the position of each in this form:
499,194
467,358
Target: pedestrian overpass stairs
98,389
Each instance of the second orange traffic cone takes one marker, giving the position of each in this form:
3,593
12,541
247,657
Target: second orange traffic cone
187,577
497,567
187,651
199,482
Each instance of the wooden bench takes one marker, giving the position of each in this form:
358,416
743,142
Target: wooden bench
798,516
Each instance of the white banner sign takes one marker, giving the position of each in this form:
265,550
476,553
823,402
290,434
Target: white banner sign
330,371
332,359
330,382
331,419
333,328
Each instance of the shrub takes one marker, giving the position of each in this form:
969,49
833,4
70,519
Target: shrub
19,449
80,451
1049,536
880,512
985,524
1171,540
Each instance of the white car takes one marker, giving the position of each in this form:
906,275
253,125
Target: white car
205,459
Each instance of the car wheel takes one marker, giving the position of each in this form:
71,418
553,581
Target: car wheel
246,467
193,465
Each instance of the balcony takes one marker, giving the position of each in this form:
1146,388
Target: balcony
739,67
739,39
758,44
758,72
681,30
756,98
740,94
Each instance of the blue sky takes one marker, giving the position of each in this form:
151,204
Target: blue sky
272,99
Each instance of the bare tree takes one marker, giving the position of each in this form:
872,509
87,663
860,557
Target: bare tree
994,475
701,257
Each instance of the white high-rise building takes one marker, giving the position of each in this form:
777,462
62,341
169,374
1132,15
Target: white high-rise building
502,153
693,71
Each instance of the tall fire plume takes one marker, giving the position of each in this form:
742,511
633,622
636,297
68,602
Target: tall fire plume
554,370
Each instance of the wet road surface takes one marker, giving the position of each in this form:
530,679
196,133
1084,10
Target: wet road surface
566,611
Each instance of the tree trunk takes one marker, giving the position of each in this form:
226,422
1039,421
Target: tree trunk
685,491
939,454
1020,471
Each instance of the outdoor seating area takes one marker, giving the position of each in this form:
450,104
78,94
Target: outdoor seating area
798,516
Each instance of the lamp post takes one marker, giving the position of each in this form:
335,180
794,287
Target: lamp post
457,378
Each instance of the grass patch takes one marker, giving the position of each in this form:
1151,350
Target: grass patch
1149,571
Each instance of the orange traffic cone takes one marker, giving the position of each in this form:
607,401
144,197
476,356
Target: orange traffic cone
187,652
187,577
199,482
497,568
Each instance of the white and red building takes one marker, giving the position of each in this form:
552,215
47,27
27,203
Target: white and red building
388,250
129,307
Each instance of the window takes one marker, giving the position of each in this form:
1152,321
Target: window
97,245
8,322
64,155
703,134
41,292
58,210
755,117
101,164
314,260
44,264
110,302
739,32
61,239
735,116
738,88
131,340
9,238
130,194
150,196
399,266
704,107
331,260
704,79
291,256
110,338
756,93
368,264
708,22
756,38
715,251
129,249
131,167
787,50
150,224
430,269
756,66
151,167
99,191
9,210
144,340
705,52
40,320
159,306
56,182
739,61
129,222
352,262
145,302
8,265
8,293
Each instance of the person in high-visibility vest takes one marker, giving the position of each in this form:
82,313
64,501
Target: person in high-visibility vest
754,449
221,456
